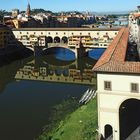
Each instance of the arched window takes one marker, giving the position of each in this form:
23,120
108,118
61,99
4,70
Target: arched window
49,39
64,39
108,131
56,39
129,119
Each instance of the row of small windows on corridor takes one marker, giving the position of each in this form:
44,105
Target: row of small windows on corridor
4,32
50,33
65,33
134,87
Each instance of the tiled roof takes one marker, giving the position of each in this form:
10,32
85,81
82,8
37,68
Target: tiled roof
136,15
113,59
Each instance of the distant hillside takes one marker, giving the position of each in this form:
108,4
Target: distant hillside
112,13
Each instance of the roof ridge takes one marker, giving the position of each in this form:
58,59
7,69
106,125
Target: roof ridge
120,39
118,63
115,41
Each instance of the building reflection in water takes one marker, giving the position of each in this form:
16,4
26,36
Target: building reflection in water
25,109
52,70
8,72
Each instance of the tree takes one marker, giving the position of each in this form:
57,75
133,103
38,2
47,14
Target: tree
36,11
112,16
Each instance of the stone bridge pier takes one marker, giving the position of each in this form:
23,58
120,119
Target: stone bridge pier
80,52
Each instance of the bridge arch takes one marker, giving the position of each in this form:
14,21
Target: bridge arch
57,39
61,53
129,118
49,39
64,39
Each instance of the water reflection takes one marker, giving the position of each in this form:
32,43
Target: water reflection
31,88
47,69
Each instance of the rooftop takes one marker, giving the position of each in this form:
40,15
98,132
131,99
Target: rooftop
136,15
114,58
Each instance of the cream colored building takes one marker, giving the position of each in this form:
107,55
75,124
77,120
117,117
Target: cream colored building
53,34
88,41
118,87
15,13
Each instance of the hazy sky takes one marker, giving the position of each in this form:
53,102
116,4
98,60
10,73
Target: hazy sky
66,5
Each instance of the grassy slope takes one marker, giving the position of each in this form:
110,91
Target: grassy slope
80,125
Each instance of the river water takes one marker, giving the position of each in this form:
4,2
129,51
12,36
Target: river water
30,88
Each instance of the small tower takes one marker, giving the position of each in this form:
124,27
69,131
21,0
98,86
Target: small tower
28,12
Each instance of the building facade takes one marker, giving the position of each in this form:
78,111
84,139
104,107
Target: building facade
59,35
118,82
6,36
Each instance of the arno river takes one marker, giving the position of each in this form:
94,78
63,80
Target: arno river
31,89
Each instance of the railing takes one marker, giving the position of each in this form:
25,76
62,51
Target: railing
135,135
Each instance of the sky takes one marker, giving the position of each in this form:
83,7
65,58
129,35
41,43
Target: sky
70,5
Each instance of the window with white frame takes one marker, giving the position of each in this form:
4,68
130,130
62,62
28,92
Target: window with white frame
134,87
107,85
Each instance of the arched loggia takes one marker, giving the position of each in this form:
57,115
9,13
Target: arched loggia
49,39
129,118
64,39
57,39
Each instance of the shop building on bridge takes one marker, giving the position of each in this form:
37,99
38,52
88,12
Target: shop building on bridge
59,35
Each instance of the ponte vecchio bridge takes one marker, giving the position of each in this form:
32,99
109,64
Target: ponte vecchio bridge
48,36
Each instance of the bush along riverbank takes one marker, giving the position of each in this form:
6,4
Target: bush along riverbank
78,125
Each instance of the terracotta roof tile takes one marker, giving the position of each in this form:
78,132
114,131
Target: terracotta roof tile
136,15
113,59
